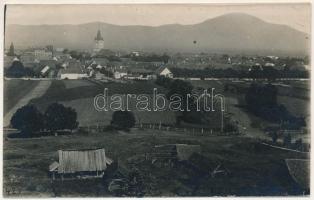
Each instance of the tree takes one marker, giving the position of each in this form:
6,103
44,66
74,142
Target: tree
181,88
58,117
123,120
287,140
28,120
135,184
274,137
71,118
16,70
55,118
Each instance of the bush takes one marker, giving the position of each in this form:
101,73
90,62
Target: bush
123,120
28,120
58,117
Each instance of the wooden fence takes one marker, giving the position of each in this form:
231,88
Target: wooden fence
162,127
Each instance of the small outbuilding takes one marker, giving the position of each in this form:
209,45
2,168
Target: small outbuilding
174,152
87,163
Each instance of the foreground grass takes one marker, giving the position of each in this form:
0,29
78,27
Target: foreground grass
254,169
14,90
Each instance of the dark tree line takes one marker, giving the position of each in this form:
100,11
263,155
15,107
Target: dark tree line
183,88
261,100
29,120
150,58
123,120
255,72
17,70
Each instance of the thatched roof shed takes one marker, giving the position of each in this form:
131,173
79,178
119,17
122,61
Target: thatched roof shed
72,161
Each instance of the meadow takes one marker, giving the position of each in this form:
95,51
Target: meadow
14,90
79,94
254,169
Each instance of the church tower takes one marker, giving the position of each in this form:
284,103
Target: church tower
11,50
99,42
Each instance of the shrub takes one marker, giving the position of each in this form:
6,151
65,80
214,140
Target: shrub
123,120
28,120
58,117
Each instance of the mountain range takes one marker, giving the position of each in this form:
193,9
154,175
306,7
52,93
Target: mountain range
234,33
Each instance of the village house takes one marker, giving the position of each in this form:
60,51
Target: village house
72,70
27,57
120,73
42,54
164,71
86,163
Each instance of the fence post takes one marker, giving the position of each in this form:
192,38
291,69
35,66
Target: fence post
211,131
202,130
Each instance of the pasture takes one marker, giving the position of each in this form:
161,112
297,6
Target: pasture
79,94
254,168
14,90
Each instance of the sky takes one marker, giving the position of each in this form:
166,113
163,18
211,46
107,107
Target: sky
297,16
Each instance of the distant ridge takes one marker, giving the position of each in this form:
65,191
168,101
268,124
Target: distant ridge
236,32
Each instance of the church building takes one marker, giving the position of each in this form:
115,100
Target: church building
99,42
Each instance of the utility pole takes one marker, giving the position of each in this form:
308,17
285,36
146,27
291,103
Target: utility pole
222,121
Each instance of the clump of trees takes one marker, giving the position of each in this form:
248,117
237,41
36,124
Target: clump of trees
29,120
123,120
261,100
150,58
17,70
256,72
194,116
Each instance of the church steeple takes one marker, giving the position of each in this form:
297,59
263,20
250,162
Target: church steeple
99,37
11,50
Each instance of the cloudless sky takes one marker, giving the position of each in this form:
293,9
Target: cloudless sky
297,16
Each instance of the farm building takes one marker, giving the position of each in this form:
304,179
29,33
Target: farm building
100,61
174,152
73,70
164,71
118,74
88,163
48,68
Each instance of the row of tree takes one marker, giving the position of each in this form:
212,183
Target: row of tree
29,120
255,73
261,100
202,117
149,58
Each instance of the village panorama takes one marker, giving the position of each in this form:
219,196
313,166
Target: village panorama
142,101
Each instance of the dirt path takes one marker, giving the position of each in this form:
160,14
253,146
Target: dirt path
36,92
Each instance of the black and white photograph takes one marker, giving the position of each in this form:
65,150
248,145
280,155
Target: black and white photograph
156,100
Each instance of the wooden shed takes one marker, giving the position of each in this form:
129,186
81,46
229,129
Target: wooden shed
174,152
85,163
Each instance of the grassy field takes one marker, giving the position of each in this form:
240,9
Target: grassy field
14,90
253,168
79,94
